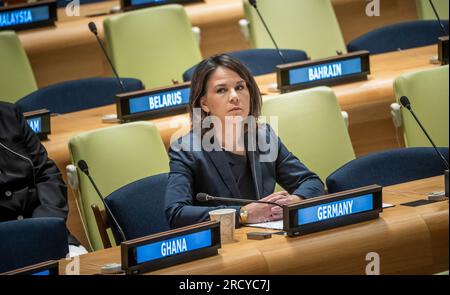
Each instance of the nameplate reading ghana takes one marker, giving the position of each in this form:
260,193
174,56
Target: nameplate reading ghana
171,248
331,71
28,16
49,268
154,103
39,122
137,4
333,210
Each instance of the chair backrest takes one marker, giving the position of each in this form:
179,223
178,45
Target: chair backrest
403,35
388,168
424,10
31,241
259,61
16,75
116,156
72,96
429,94
312,26
139,207
154,44
311,125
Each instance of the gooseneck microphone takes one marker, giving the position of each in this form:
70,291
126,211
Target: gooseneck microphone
202,197
93,29
254,4
407,104
82,165
438,18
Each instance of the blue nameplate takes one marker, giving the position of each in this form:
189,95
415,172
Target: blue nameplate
136,4
330,71
39,122
334,210
28,15
171,247
48,268
147,104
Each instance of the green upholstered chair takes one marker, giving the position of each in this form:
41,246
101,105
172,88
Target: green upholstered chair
312,127
424,10
16,75
428,92
116,156
308,25
154,45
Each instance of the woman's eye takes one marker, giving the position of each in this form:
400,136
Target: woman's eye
240,87
221,90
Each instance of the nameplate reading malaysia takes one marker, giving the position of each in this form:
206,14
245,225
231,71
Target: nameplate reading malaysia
137,4
28,15
48,268
443,50
171,247
323,72
39,121
148,104
333,210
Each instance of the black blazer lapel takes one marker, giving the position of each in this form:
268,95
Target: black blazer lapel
220,162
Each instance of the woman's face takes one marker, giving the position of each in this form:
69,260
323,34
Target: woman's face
226,95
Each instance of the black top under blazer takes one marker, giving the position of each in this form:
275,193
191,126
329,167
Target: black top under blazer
195,171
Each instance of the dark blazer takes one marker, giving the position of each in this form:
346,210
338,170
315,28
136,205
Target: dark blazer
195,171
30,183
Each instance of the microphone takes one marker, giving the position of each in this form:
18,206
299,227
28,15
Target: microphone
438,18
85,169
202,197
407,104
93,29
253,3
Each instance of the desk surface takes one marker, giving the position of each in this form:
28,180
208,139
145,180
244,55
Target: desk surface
367,103
409,240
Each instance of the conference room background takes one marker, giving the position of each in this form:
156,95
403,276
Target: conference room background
355,89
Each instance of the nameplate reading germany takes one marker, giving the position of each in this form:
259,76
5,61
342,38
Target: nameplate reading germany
148,104
324,72
28,15
334,210
171,247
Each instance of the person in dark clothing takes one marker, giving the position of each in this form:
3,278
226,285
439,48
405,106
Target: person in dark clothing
211,159
31,185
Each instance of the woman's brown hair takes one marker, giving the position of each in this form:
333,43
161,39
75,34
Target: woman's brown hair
203,73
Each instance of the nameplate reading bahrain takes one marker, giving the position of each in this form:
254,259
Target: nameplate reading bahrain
48,268
171,247
28,15
333,210
39,121
323,72
137,4
148,104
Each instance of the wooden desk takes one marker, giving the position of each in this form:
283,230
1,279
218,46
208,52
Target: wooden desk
69,51
409,240
367,103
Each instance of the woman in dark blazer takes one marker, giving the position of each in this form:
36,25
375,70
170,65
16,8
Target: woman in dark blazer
228,154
